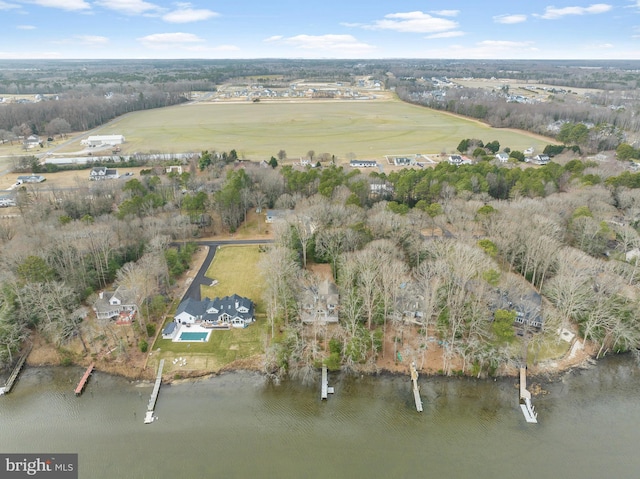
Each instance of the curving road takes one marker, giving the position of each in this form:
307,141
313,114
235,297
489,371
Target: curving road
193,291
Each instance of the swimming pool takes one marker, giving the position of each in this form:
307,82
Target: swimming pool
192,336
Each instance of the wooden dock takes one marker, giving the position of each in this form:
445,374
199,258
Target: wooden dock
84,379
325,389
525,399
416,388
149,417
6,389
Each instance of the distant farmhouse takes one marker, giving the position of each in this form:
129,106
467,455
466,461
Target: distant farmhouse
6,201
502,157
455,160
30,179
218,313
32,141
102,140
363,163
541,159
103,173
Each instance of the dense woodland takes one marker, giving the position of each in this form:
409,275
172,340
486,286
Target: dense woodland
448,242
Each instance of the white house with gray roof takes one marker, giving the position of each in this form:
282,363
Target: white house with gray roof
234,311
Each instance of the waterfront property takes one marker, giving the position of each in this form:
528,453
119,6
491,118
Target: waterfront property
321,304
119,304
218,313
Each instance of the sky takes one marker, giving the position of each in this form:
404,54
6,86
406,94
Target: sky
374,29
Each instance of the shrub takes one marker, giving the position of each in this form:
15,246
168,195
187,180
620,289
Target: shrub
151,330
143,345
333,362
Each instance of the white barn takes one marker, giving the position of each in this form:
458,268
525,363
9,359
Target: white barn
103,140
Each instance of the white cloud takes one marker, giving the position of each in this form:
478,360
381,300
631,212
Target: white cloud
25,27
129,7
504,44
452,34
92,39
553,13
489,49
325,43
510,19
185,14
8,6
447,13
33,54
163,40
413,22
63,4
207,49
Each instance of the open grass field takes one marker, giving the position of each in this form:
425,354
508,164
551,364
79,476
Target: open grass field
236,270
366,129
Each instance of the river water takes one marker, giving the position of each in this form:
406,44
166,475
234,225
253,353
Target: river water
239,426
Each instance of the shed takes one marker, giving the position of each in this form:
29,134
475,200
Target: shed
169,330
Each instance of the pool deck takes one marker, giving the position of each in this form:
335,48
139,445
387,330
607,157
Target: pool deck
194,328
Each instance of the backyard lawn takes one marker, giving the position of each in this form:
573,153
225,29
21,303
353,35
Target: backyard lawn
236,270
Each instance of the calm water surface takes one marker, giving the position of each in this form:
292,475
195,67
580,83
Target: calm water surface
239,426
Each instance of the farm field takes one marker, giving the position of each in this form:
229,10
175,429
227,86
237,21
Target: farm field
346,129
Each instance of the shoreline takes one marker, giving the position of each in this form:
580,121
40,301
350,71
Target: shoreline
540,373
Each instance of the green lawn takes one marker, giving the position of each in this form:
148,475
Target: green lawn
223,348
236,270
368,129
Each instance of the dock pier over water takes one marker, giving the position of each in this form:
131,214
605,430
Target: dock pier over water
525,399
6,389
416,388
325,388
84,379
149,417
